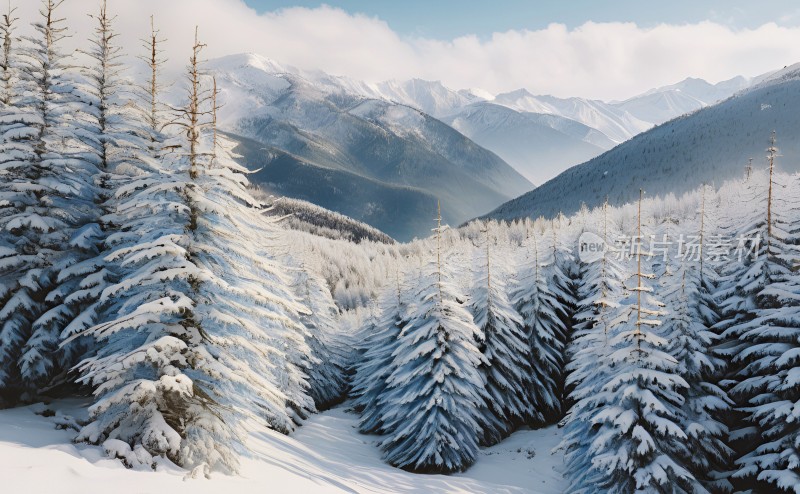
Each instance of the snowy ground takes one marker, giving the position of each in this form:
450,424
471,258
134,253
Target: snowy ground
326,455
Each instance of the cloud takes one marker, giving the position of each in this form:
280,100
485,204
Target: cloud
597,60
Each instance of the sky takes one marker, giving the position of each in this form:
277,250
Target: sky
607,50
448,19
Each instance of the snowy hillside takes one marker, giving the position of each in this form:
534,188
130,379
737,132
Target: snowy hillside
665,103
305,216
326,456
322,139
709,146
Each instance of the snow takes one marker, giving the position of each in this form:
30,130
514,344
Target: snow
326,455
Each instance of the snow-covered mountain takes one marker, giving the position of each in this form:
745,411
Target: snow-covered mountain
325,134
538,145
665,103
339,144
709,146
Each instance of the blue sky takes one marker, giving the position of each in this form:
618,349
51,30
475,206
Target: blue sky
447,19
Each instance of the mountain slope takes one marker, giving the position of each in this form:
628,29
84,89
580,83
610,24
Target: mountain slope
376,161
538,146
401,212
665,103
709,146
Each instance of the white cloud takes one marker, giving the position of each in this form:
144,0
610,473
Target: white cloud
599,60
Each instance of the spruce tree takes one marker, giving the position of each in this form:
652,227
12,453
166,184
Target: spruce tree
435,391
49,205
505,347
763,331
202,331
600,294
379,344
534,300
637,443
326,362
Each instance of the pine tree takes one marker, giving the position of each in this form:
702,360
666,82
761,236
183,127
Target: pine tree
533,299
15,126
48,203
600,293
507,370
764,307
690,313
110,125
637,442
326,361
202,329
435,390
380,340
560,274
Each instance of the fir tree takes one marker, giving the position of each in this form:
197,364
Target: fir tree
535,301
202,331
764,330
435,390
48,205
326,361
380,340
507,370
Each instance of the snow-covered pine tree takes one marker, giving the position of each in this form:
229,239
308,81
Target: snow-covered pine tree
48,198
561,273
532,297
379,343
109,122
202,330
327,360
600,292
507,369
637,442
686,326
765,329
12,160
435,391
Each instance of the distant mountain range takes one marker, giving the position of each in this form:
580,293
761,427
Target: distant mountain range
384,153
380,162
709,146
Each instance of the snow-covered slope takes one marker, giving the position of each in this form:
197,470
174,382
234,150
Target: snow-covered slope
539,146
326,455
665,103
324,141
616,124
709,146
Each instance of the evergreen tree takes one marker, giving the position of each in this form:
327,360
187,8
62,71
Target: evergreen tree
600,293
535,301
764,306
435,391
686,327
507,368
637,443
202,330
326,361
379,344
48,205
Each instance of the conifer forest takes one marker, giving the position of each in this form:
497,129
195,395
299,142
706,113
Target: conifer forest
147,277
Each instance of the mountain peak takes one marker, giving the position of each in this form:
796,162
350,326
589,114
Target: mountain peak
253,60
